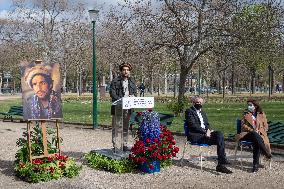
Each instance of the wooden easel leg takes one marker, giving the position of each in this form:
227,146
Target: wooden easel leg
29,140
44,138
58,137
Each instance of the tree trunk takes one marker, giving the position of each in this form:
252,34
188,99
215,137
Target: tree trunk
175,81
253,81
64,79
182,80
233,79
223,82
272,81
283,83
152,83
166,83
1,83
80,83
110,73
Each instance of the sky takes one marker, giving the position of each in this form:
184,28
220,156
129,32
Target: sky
5,5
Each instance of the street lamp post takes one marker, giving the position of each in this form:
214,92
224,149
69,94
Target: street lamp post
93,16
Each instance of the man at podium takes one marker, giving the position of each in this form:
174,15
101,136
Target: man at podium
122,86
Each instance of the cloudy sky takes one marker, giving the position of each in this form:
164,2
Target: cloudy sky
6,4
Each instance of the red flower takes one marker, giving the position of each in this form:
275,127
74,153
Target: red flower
37,162
176,149
51,169
151,166
150,110
50,159
154,155
162,149
139,114
159,157
142,160
61,164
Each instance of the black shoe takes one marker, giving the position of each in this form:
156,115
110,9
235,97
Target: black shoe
126,148
268,156
255,168
225,162
115,150
223,169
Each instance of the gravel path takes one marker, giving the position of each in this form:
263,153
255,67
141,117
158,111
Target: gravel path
77,141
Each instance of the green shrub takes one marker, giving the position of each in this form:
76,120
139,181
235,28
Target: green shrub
101,162
178,107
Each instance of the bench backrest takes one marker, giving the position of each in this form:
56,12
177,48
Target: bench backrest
16,110
238,125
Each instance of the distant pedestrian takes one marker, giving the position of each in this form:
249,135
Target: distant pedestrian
278,88
142,89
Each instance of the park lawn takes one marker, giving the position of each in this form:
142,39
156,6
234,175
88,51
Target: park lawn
221,116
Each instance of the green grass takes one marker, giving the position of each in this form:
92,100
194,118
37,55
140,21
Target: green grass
222,116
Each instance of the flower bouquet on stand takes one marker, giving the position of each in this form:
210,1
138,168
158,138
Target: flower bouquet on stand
44,169
154,146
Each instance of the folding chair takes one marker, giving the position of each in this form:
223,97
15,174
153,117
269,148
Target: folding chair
188,143
243,143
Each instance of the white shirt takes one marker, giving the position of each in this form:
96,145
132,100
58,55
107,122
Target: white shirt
125,88
200,118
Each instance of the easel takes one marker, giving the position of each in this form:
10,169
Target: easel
44,139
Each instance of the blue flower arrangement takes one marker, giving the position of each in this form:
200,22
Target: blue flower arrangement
150,126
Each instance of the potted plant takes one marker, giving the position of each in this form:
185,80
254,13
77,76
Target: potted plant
155,146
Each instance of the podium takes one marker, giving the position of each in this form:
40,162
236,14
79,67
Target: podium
122,108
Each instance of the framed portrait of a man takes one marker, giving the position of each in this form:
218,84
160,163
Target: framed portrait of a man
41,91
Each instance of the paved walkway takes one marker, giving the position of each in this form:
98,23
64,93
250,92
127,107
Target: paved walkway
77,141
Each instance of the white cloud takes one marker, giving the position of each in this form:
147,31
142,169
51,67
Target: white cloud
3,14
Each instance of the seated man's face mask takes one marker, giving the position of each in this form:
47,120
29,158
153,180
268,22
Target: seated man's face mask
198,106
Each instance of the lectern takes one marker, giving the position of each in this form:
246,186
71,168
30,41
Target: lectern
127,103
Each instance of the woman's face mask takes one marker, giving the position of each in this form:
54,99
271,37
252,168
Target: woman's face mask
251,108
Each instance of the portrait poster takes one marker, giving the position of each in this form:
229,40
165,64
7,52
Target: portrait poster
41,91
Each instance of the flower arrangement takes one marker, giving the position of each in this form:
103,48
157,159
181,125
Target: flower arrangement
45,169
53,167
154,142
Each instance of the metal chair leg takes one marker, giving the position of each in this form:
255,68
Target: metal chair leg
241,156
184,148
236,149
200,156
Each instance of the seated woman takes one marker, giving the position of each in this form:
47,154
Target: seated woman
254,128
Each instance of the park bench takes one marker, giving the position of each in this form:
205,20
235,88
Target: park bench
275,134
13,111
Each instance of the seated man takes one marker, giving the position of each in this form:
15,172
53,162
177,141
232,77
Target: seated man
199,132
